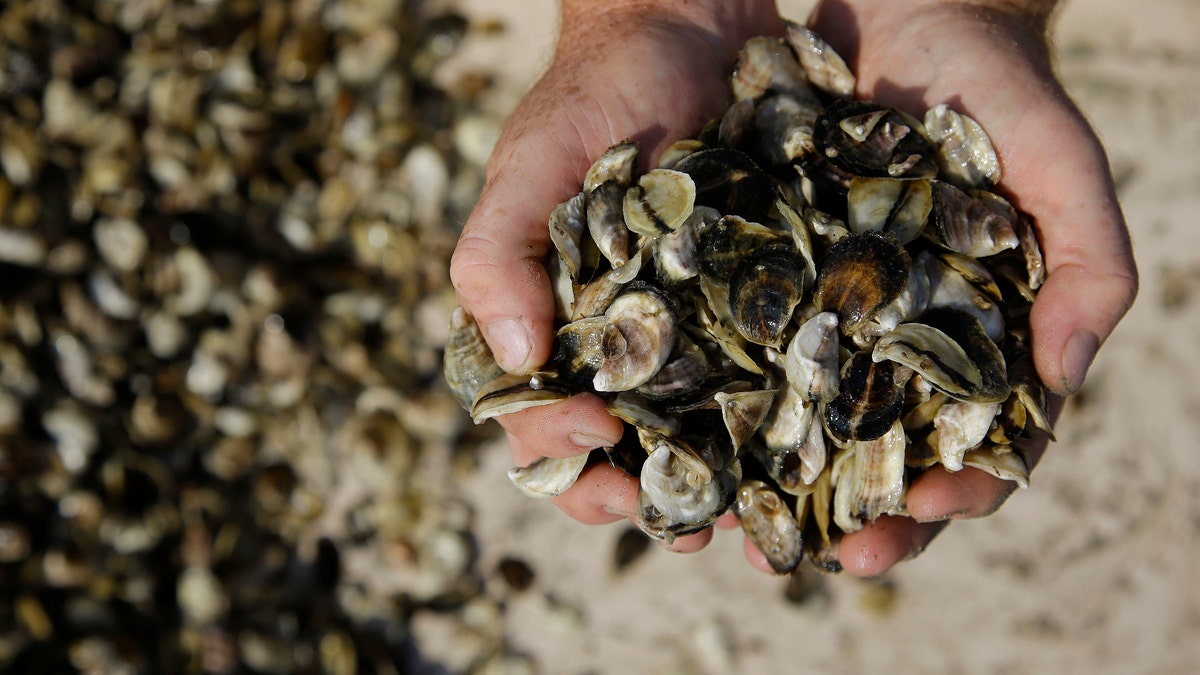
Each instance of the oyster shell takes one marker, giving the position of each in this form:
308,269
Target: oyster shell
767,64
889,205
869,401
548,476
965,155
822,65
862,273
606,221
660,203
729,181
811,362
764,290
686,486
640,335
866,139
769,523
966,225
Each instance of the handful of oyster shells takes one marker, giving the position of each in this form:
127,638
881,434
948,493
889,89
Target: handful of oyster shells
797,312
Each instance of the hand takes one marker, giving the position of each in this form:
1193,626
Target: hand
651,71
990,60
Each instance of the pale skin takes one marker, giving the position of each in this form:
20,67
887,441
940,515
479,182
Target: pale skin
654,70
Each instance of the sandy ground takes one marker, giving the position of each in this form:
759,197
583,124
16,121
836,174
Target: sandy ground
1093,569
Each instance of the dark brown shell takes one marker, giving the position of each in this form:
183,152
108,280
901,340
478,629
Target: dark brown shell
887,143
860,274
870,399
764,291
723,244
730,182
579,351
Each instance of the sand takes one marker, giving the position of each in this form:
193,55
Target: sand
1093,569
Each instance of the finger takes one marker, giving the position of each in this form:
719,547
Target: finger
690,543
938,495
497,267
576,425
1092,277
728,521
884,542
756,558
603,494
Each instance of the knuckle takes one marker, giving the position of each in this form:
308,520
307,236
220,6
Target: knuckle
475,254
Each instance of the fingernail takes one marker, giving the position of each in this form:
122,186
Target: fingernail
1077,358
617,511
510,344
589,441
940,518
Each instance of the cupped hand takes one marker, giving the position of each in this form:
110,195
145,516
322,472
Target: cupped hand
637,70
991,61
654,72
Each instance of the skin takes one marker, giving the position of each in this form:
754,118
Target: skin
655,71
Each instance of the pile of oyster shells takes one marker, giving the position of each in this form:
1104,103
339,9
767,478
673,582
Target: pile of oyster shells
795,313
225,442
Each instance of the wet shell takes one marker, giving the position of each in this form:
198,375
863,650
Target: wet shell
767,64
678,150
958,282
548,476
641,326
966,225
606,221
966,330
822,65
511,393
568,222
866,139
468,363
730,182
889,205
764,291
862,273
723,245
964,152
687,486
736,130
811,361
793,450
871,483
660,202
784,126
934,355
642,413
1000,461
743,412
675,256
579,350
616,164
870,399
960,426
768,523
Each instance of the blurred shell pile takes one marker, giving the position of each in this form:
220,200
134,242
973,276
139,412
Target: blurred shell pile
795,313
225,445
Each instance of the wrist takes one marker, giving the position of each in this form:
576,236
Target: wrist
1036,15
725,25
